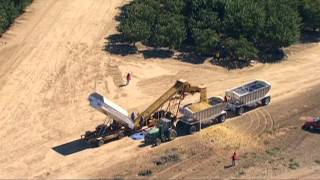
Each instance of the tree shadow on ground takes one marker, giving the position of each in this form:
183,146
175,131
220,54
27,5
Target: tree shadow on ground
191,58
310,36
230,65
116,44
157,53
273,56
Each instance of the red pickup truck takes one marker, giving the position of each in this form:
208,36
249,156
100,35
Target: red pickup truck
312,124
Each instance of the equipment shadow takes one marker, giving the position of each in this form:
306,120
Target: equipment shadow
311,131
72,147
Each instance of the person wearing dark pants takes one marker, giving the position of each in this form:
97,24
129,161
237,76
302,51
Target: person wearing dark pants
129,76
234,158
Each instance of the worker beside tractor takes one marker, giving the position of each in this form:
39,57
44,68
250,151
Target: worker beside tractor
163,118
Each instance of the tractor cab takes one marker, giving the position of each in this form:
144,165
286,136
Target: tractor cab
163,132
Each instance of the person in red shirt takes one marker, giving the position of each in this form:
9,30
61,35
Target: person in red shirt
234,158
129,76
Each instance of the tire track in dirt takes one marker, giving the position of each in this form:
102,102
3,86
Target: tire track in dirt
114,71
257,123
32,55
17,107
14,57
264,122
271,120
256,130
248,123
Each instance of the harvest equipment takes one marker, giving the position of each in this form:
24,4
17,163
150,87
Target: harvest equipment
163,132
247,95
159,119
193,120
120,124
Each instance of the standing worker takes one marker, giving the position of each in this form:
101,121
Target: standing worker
129,76
234,158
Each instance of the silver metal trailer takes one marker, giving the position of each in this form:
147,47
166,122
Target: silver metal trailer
119,125
110,109
194,121
248,95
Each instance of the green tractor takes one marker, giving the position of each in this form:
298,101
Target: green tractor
164,132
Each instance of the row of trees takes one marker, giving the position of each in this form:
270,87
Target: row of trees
9,10
231,29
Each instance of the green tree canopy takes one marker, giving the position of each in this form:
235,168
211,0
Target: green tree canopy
310,13
9,10
241,29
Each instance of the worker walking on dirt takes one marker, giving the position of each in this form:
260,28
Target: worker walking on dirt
234,158
129,76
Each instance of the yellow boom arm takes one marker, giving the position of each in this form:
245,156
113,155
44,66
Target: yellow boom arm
180,87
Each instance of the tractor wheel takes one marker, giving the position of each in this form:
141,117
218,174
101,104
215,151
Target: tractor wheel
192,129
266,101
158,142
172,134
222,118
240,111
100,142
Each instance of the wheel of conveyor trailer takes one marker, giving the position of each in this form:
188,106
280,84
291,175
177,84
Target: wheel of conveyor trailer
100,142
92,142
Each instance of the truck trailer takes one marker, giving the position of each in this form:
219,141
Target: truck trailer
192,121
247,95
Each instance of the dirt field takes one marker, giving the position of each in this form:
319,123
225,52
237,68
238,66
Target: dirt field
53,58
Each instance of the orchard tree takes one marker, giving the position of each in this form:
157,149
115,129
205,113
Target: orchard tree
244,18
137,20
169,29
238,49
310,13
206,41
281,27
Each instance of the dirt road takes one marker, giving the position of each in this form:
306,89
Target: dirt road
53,58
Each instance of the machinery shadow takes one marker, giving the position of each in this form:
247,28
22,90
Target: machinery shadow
72,147
311,131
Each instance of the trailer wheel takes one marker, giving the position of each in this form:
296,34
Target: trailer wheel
222,118
158,142
192,129
92,142
172,134
100,142
240,110
266,101
120,135
311,128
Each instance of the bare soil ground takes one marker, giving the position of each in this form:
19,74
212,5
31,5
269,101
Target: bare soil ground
53,57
